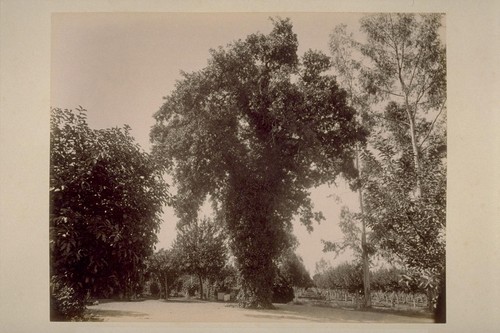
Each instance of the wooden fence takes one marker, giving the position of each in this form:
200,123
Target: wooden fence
378,298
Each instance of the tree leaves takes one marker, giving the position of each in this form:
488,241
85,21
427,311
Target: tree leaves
398,80
201,248
255,129
106,199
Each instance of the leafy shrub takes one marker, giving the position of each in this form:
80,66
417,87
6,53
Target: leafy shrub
282,291
154,288
65,303
345,276
386,279
188,285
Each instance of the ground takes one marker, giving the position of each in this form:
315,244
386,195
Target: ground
192,310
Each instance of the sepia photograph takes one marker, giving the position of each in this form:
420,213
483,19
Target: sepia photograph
249,166
254,167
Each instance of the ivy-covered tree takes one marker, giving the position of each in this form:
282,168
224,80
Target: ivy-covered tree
255,130
106,196
201,247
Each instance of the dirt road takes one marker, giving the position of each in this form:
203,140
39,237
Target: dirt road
189,310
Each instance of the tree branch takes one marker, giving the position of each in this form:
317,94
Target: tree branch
433,122
391,93
424,240
387,119
415,67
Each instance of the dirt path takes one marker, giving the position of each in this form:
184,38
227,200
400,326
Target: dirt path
188,310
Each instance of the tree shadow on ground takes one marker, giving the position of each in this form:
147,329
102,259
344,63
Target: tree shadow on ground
406,313
285,317
186,300
98,314
336,314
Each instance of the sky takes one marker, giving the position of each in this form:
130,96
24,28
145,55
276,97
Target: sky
119,66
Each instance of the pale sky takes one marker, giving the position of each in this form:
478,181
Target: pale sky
120,66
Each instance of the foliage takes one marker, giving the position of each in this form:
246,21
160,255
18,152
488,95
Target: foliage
166,266
356,238
407,60
350,227
409,226
228,279
292,269
154,288
282,290
387,279
189,284
348,277
345,276
397,78
255,129
65,303
106,197
201,249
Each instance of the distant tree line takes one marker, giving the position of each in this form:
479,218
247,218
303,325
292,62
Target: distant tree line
348,276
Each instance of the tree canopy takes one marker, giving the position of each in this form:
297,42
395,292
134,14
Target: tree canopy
255,130
106,198
344,276
165,265
397,78
201,249
291,267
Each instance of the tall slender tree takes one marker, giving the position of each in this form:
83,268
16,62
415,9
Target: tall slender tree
407,66
347,66
398,74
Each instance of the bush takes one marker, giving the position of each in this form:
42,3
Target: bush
154,289
65,303
188,285
282,291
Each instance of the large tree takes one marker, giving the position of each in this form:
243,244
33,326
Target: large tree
201,249
397,76
255,130
106,196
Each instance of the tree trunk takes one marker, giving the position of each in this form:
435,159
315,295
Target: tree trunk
201,286
430,300
166,288
440,313
414,145
364,248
